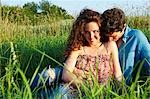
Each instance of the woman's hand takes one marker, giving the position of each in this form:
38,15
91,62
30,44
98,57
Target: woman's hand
81,74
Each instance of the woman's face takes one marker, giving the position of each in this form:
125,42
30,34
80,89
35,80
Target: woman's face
92,33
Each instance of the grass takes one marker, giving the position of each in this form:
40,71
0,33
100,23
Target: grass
14,84
25,50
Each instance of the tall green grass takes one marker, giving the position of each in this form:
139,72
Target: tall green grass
49,38
140,22
15,85
26,49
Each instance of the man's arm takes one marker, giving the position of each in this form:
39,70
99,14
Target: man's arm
144,53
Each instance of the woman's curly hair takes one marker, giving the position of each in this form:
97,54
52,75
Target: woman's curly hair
76,38
113,21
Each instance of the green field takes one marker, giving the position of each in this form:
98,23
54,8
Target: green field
28,48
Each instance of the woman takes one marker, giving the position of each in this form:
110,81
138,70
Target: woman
88,51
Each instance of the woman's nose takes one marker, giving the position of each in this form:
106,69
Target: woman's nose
91,34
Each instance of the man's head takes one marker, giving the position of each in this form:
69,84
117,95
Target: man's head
113,23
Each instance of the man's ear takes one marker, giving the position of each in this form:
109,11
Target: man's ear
125,25
124,28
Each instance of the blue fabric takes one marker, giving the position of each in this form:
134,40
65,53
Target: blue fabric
60,92
37,81
135,48
56,91
49,92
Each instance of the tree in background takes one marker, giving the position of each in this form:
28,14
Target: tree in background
48,8
29,13
30,8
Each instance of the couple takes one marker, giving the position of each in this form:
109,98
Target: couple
91,48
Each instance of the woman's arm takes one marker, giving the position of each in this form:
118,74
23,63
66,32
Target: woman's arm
68,75
115,59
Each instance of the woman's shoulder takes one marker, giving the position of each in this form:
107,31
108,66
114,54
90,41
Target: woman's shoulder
76,53
111,45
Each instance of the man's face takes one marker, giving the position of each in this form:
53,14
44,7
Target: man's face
115,36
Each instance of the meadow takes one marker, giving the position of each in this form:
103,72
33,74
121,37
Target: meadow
26,49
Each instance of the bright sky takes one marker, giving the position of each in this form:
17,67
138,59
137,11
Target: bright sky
131,7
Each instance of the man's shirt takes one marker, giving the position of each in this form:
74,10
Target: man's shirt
135,48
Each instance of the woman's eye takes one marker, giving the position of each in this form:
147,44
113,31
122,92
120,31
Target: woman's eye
96,31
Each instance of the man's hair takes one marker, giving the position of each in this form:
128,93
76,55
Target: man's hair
113,20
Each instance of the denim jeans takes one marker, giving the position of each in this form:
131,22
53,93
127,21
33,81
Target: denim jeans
37,82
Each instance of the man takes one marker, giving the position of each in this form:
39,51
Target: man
132,43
